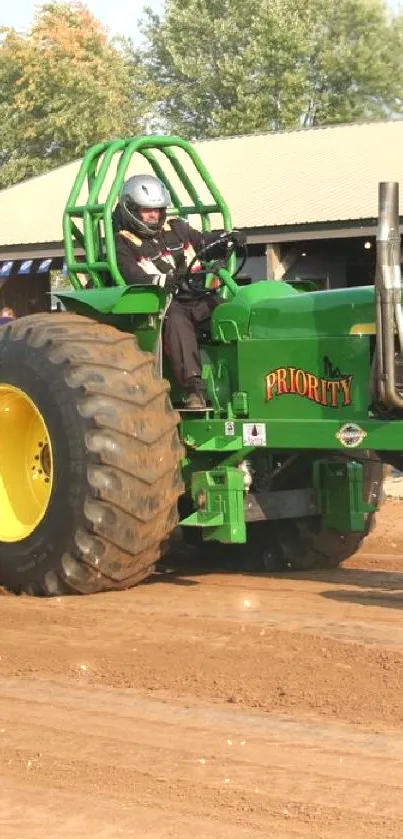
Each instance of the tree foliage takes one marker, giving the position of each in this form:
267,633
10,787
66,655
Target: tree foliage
208,68
63,86
239,66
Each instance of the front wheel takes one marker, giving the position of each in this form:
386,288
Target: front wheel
89,457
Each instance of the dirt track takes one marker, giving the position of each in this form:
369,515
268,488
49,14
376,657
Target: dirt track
209,705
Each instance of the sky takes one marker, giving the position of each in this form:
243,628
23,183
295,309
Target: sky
120,16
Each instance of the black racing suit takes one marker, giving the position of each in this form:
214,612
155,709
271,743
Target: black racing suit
146,261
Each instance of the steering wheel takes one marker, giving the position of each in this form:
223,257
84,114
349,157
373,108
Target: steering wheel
212,267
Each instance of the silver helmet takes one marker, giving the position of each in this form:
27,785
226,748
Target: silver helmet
144,192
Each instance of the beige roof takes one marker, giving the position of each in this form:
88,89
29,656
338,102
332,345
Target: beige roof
277,179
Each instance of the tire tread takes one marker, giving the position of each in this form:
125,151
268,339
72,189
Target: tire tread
132,446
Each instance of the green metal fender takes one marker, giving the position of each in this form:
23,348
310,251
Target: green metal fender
118,300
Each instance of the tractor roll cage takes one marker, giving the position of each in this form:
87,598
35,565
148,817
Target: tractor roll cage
91,250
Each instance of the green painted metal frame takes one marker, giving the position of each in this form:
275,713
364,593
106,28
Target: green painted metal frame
97,237
219,498
209,434
340,491
266,327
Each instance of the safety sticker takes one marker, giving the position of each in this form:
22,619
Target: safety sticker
254,433
229,429
351,435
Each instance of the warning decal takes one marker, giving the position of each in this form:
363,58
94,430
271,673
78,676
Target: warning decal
254,433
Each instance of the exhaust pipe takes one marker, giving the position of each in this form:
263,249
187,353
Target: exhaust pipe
388,294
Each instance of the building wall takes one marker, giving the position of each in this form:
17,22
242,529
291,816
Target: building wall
337,262
255,267
327,266
26,294
321,264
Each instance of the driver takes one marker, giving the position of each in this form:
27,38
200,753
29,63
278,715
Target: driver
154,250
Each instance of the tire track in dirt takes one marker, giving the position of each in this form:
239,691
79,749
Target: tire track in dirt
282,651
261,771
209,704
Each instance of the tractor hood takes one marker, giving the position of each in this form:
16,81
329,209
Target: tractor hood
277,310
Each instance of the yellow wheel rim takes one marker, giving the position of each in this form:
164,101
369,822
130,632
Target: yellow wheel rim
26,465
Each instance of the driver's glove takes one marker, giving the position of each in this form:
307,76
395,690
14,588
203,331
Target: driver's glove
172,281
238,237
174,278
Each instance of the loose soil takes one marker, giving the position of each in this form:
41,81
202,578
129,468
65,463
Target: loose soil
210,704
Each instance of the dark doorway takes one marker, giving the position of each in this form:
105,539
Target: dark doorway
360,272
26,294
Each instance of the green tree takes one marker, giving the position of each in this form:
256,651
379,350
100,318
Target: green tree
238,66
63,86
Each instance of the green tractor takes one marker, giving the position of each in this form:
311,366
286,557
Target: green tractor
98,462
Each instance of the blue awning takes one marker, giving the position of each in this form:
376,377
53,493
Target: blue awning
23,267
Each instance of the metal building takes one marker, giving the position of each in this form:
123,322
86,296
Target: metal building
307,198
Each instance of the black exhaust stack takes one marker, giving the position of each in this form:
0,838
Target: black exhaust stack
388,294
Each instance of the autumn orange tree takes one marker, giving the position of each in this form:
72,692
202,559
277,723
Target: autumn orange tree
63,86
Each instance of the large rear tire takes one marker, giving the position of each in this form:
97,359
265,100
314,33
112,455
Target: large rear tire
89,457
304,544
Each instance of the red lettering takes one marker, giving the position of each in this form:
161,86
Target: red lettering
300,380
334,389
294,380
346,387
313,386
282,380
292,372
323,385
271,380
